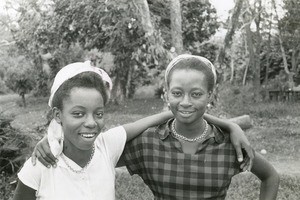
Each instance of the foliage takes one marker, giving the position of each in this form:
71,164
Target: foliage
106,26
199,23
20,78
6,187
13,146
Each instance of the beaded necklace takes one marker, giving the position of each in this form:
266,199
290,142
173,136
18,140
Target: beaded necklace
82,169
196,139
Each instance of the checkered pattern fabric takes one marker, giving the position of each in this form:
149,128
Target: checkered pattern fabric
172,174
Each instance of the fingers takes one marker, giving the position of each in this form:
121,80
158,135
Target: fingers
250,156
245,166
33,158
46,159
42,160
239,153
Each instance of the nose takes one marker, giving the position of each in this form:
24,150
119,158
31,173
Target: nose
90,122
185,101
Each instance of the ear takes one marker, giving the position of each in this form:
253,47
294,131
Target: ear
56,113
210,96
166,98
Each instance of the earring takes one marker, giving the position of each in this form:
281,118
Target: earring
168,104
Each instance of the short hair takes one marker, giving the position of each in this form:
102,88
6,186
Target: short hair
82,80
194,64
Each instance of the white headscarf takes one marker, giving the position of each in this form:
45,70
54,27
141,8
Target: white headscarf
187,56
55,133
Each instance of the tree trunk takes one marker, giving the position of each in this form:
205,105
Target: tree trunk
250,47
257,86
143,8
268,60
231,69
228,37
22,94
176,28
247,64
128,82
285,64
117,94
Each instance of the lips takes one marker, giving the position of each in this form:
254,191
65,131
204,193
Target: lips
185,113
88,135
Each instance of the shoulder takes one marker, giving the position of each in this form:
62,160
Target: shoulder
219,135
154,132
31,175
112,134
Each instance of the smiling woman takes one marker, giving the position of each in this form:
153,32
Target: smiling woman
85,157
190,158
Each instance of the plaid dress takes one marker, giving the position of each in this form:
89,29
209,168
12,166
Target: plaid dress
170,173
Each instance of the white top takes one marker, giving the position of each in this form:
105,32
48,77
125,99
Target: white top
96,182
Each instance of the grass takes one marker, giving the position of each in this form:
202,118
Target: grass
276,129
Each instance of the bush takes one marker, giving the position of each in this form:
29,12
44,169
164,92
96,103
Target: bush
14,147
20,78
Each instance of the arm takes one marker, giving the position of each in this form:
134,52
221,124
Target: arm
43,153
24,192
238,139
135,128
268,176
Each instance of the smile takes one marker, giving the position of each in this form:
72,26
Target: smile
186,112
88,135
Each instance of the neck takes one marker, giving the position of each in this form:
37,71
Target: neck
190,130
80,157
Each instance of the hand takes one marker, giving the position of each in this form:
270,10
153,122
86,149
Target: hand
43,153
242,145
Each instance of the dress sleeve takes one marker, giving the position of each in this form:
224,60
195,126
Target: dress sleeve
31,175
115,140
132,155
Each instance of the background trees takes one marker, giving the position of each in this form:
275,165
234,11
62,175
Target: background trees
261,39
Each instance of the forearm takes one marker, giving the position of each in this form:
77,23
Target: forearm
269,188
224,124
24,192
268,176
137,127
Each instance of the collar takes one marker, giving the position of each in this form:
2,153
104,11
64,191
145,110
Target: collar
164,130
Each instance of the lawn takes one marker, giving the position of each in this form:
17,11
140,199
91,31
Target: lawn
276,129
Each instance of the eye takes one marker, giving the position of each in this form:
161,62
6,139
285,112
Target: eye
77,114
99,115
197,94
176,93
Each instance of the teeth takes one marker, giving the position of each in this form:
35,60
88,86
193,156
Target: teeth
88,135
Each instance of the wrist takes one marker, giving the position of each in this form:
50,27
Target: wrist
233,127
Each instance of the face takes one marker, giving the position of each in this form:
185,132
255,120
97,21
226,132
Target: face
81,117
188,95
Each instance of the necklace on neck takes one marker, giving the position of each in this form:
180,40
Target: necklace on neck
82,169
196,139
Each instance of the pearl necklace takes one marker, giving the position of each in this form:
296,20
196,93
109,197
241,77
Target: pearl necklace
196,139
82,169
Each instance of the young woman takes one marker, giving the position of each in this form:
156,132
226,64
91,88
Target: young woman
86,157
188,157
43,151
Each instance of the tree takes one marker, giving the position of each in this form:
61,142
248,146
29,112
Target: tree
20,78
233,23
288,37
176,27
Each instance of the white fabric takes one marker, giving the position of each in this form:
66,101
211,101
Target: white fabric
55,138
186,56
72,70
96,183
